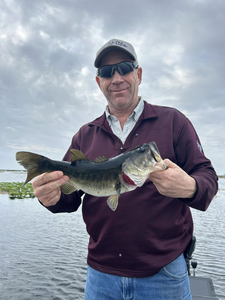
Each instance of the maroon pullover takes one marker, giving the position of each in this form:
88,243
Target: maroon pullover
148,230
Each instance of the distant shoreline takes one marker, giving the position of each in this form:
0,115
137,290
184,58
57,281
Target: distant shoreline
6,170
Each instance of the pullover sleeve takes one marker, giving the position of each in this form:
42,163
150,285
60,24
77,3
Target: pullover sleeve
66,203
191,158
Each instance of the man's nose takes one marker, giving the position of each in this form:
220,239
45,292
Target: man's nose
117,78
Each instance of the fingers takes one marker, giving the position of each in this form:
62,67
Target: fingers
159,173
47,187
50,199
174,182
169,163
47,177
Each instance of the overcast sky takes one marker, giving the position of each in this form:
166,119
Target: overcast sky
47,78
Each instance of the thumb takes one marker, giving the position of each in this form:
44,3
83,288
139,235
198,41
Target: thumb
169,163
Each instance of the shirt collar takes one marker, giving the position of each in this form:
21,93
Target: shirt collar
135,114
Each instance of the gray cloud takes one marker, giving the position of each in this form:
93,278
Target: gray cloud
47,85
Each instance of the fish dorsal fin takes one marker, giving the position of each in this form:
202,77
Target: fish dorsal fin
68,188
101,159
77,155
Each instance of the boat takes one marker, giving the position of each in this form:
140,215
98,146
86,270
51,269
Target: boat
201,287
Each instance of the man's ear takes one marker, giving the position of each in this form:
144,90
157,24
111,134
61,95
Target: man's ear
98,81
139,73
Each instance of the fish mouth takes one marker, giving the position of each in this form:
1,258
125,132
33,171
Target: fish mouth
156,156
152,150
155,153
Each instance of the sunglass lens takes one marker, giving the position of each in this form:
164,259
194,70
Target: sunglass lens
105,71
123,68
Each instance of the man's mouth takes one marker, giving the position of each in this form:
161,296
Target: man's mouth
118,91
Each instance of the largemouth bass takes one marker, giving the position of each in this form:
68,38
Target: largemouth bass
101,177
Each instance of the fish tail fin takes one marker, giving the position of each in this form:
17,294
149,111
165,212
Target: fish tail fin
31,162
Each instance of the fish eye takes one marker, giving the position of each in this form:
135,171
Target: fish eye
141,149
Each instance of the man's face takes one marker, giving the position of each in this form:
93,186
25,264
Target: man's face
121,91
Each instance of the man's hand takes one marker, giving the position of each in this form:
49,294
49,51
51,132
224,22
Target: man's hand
174,182
46,187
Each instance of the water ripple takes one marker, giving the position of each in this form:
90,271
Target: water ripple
43,255
210,232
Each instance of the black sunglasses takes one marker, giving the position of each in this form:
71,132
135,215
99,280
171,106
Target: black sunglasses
122,68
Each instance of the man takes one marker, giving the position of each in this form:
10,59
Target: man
136,252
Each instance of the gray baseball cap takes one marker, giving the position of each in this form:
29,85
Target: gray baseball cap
115,44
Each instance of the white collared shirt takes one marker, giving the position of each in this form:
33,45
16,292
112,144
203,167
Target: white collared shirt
130,122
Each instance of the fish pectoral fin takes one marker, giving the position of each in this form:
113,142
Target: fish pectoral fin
77,155
68,188
101,159
112,202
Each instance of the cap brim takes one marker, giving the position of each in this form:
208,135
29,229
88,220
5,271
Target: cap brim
106,51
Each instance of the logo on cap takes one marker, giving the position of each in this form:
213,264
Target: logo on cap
118,43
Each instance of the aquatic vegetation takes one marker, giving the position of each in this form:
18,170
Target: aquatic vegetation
15,190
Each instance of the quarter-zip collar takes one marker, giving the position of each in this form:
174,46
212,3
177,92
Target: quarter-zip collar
148,113
131,121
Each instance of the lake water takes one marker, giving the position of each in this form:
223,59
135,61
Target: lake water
43,255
